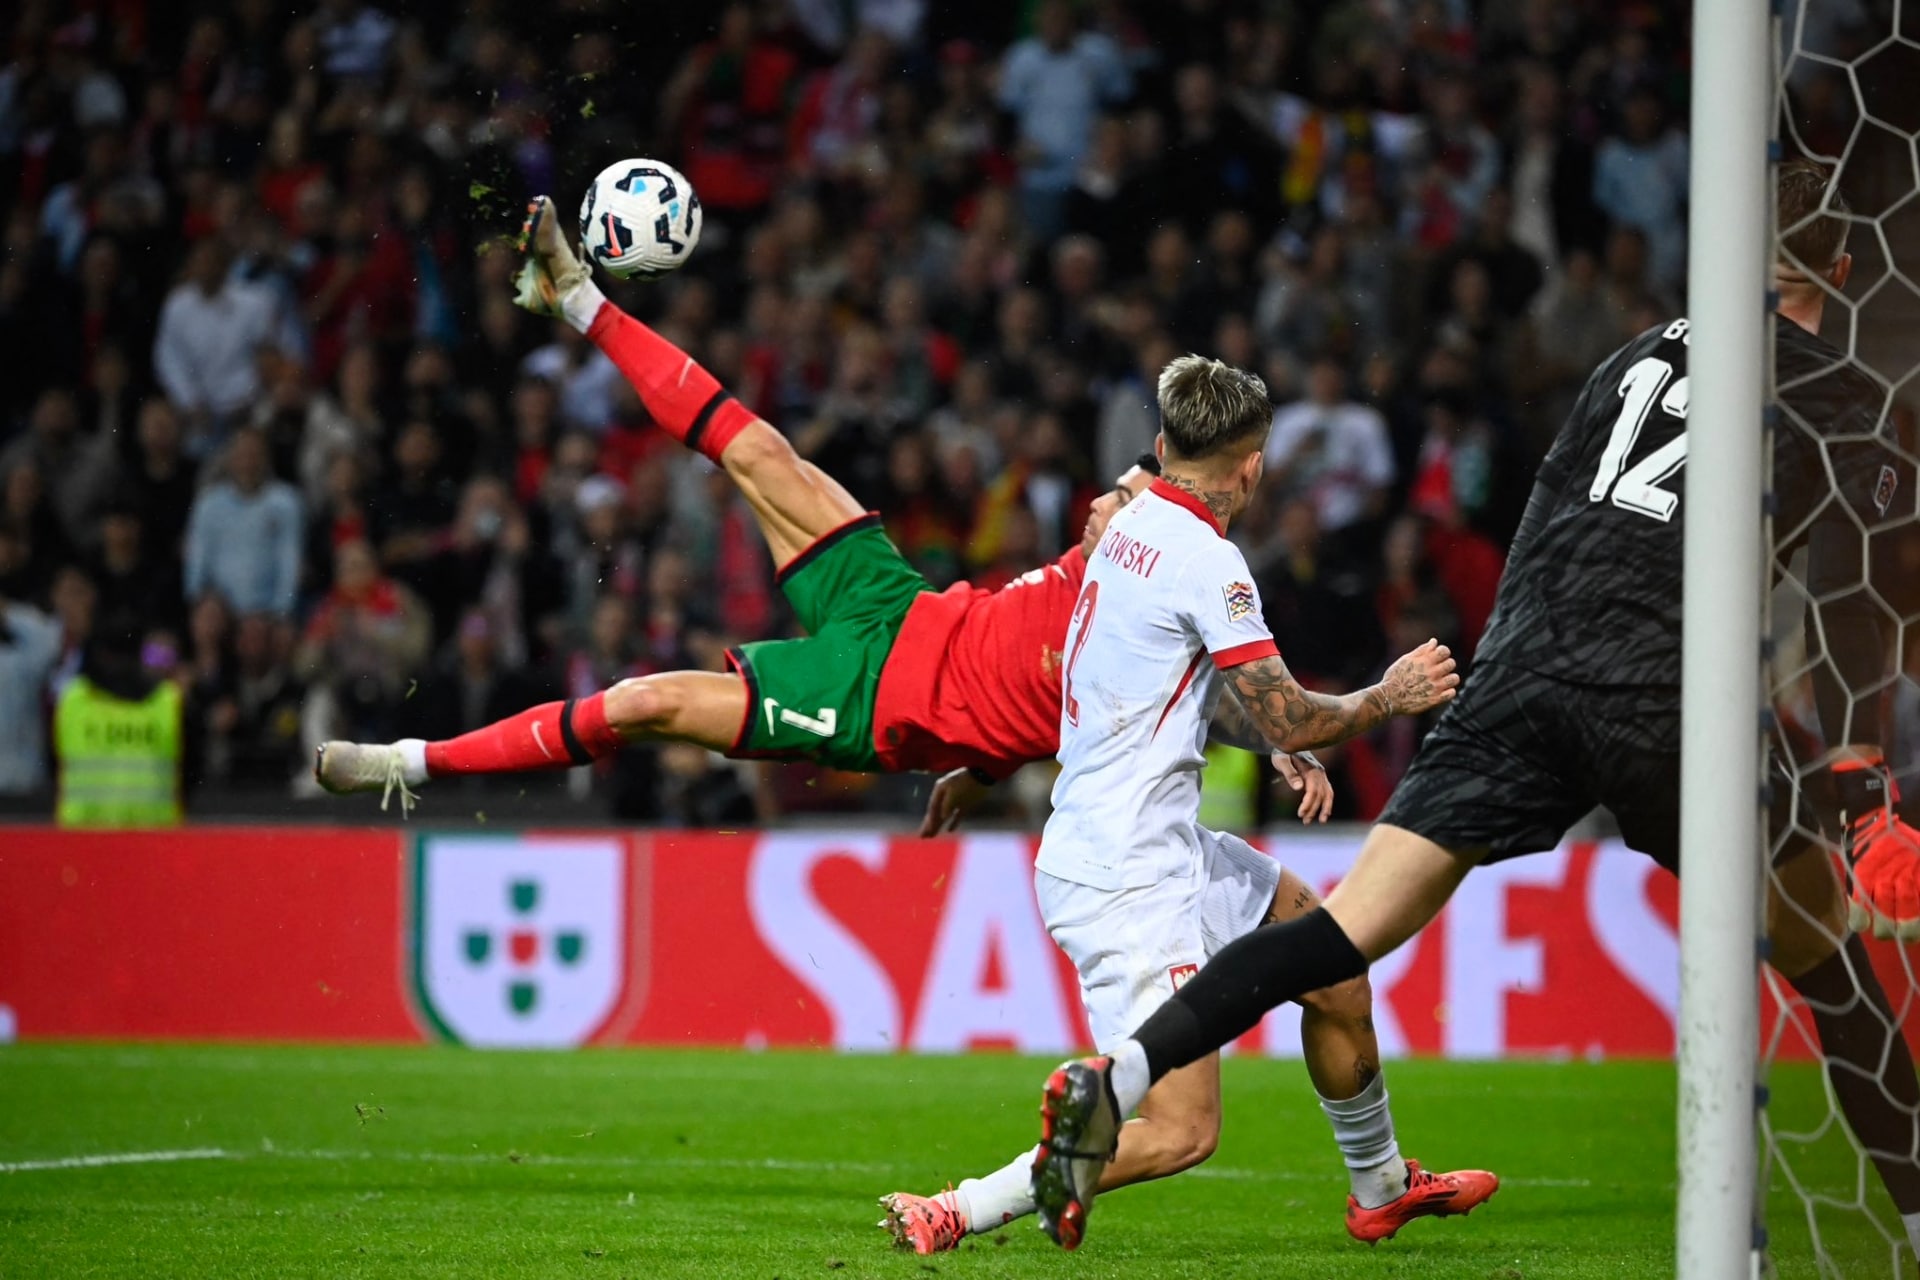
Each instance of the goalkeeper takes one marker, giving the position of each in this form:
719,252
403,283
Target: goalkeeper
1575,701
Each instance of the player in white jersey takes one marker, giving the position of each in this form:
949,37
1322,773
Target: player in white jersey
1131,886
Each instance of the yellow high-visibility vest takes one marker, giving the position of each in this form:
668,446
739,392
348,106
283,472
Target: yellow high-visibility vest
119,761
1229,791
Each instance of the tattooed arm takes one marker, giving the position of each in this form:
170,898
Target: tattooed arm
1303,774
1292,718
1232,728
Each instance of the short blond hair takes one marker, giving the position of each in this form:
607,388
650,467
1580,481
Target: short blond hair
1207,406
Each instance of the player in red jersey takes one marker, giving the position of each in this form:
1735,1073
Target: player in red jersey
894,677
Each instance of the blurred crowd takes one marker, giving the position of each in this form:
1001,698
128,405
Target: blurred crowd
269,409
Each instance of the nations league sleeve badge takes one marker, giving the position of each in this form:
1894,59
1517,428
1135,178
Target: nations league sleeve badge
1239,600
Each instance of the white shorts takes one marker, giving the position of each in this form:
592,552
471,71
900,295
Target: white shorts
1134,947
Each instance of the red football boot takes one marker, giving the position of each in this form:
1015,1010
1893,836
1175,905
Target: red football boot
924,1224
1428,1195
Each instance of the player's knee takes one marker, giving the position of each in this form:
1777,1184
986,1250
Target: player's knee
641,705
1180,1138
1198,1141
1349,1002
759,446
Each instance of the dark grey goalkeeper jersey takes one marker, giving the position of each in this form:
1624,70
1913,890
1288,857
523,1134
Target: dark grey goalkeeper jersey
1574,700
1591,593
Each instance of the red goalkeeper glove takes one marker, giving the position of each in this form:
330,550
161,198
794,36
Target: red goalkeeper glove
1882,852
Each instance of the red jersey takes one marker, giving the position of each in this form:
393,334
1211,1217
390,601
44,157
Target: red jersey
974,676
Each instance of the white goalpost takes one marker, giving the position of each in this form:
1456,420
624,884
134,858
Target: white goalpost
1834,83
1723,687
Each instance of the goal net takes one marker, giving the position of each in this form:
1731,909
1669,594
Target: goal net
1849,93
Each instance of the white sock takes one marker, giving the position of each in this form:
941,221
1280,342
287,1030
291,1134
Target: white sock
992,1202
582,304
1363,1127
413,758
1130,1076
1911,1221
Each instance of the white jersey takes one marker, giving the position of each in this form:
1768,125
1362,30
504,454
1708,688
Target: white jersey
1167,605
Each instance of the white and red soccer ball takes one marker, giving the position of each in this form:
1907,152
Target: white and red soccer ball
640,218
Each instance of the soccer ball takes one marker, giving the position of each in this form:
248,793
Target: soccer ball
640,218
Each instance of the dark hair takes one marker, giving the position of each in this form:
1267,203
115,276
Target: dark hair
1812,217
1148,462
1208,406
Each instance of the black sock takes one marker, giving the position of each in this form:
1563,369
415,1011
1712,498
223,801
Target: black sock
1228,997
1869,1066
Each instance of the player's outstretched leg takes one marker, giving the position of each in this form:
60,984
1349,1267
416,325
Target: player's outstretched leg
795,502
1343,1059
702,707
1868,1062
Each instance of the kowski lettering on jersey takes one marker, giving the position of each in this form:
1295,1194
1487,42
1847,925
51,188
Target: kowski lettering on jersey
1130,554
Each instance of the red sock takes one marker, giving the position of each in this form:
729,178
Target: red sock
553,735
686,400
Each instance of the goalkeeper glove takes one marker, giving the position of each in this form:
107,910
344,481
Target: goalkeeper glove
1882,852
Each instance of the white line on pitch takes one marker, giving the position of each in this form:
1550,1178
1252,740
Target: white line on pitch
477,1157
114,1157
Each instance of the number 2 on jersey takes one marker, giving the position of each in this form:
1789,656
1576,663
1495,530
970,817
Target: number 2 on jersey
1639,489
1083,619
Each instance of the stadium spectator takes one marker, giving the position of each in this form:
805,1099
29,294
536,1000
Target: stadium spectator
211,333
830,24
487,559
37,549
835,124
244,534
1333,451
29,649
354,39
1640,180
74,469
729,553
304,428
699,789
134,580
726,107
584,376
245,724
412,517
339,516
1550,171
75,604
1513,273
367,638
1055,82
1315,600
1214,150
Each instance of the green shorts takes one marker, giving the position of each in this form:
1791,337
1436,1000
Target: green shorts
812,698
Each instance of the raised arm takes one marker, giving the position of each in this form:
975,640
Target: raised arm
1293,718
1223,612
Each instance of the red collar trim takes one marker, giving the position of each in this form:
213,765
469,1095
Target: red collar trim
1181,498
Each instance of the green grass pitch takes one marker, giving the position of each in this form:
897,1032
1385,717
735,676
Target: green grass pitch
644,1165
